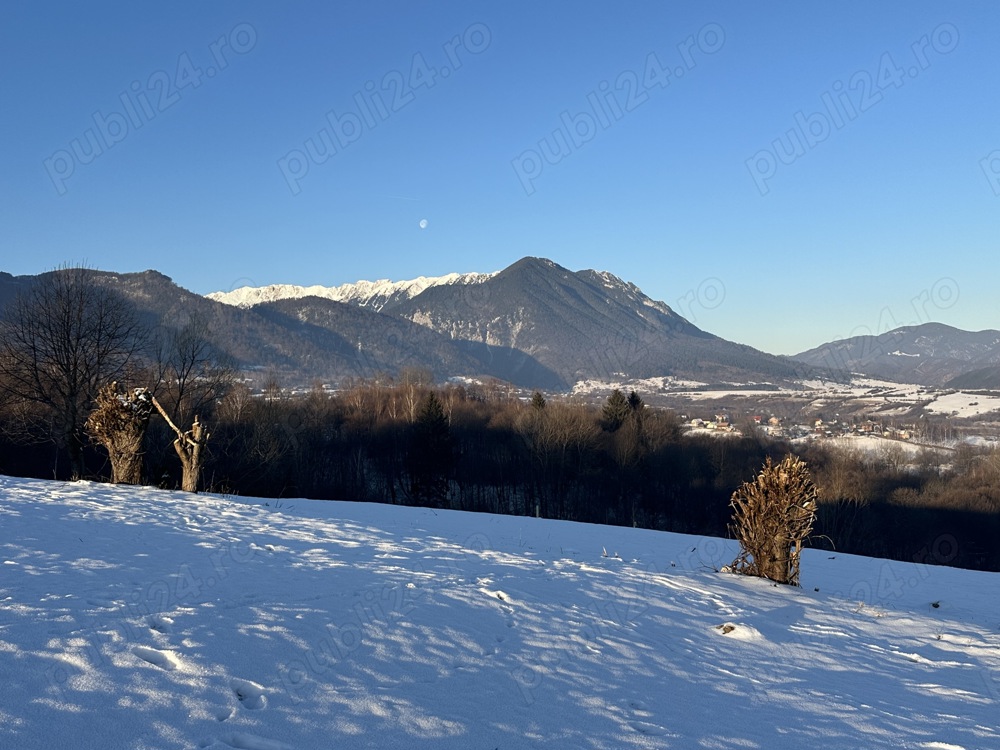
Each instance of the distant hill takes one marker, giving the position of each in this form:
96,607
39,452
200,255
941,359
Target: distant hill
929,354
985,378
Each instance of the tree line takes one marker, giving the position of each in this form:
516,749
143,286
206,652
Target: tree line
405,440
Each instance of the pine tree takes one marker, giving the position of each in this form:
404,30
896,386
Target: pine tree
430,457
616,411
635,403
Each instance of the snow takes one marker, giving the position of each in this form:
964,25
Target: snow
736,392
890,398
138,618
643,385
876,445
372,294
964,404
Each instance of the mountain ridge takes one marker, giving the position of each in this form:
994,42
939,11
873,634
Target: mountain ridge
374,294
535,324
925,354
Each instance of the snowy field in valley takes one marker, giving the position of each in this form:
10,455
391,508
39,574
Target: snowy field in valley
887,397
878,446
137,618
962,404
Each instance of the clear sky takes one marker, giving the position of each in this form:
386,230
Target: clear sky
781,174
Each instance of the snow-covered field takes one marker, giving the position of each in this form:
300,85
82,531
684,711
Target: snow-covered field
137,618
876,445
965,404
882,398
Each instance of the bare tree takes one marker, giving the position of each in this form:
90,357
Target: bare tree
191,374
557,437
62,339
415,382
772,516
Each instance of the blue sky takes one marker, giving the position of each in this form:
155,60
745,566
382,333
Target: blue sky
780,174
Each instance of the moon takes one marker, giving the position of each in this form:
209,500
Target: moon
423,224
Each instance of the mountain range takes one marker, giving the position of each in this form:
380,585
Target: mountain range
371,294
535,324
929,354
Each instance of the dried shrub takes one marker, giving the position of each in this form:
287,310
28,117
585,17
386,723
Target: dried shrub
772,516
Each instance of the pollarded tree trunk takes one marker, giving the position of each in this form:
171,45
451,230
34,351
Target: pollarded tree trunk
772,516
119,422
190,447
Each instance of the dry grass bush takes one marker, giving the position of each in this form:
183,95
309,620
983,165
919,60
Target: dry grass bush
772,516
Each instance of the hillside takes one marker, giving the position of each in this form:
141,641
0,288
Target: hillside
929,354
139,618
984,378
373,343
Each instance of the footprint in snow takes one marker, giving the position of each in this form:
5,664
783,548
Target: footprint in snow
498,594
243,741
159,623
250,694
165,660
102,603
639,713
651,730
639,708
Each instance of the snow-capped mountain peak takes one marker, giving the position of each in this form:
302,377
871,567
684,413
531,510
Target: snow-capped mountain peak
371,294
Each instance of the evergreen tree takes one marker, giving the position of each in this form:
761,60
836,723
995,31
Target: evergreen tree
430,457
635,403
537,401
616,411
